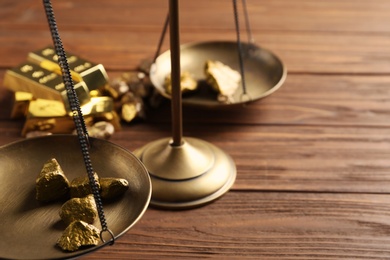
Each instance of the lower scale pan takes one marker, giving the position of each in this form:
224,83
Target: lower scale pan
264,72
29,229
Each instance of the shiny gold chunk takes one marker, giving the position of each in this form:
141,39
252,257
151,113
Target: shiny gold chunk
129,112
51,183
116,88
80,187
79,209
132,107
113,187
101,130
78,234
187,83
222,79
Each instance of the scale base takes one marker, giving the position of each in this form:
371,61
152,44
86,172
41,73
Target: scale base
186,176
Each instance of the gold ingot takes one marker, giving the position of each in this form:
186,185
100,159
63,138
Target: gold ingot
42,83
98,105
94,75
102,109
51,116
20,104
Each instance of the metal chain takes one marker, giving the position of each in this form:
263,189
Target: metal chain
77,116
162,36
247,23
239,48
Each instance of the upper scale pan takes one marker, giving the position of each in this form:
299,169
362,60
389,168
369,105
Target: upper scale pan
29,229
264,72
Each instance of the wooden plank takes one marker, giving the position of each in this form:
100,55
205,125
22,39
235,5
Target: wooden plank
292,158
299,15
308,36
285,158
301,52
245,225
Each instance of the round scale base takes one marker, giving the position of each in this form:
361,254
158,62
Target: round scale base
186,176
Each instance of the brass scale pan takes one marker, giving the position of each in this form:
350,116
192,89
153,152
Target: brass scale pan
30,229
264,72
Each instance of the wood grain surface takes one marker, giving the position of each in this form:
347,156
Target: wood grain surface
313,163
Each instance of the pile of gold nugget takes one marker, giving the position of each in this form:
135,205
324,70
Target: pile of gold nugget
79,212
40,95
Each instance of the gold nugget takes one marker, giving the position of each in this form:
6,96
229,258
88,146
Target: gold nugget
51,183
79,209
78,234
80,187
113,187
222,79
187,83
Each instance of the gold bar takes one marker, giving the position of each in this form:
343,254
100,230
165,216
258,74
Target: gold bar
42,83
51,116
20,104
94,75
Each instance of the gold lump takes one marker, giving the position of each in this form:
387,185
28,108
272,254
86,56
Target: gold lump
113,187
102,130
187,83
222,79
51,184
80,187
79,209
78,234
132,106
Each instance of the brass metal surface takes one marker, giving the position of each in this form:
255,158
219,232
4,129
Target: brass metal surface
264,71
29,229
189,175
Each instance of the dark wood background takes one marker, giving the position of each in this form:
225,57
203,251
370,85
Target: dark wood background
312,159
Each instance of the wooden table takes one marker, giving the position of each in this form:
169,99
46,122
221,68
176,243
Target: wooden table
312,159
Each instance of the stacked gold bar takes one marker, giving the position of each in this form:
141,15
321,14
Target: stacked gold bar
40,95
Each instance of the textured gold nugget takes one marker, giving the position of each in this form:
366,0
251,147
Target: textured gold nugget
187,83
222,79
79,209
78,234
80,187
113,187
51,183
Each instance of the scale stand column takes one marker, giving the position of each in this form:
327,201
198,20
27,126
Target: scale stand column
185,172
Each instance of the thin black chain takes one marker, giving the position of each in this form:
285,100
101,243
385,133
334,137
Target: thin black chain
247,23
239,47
162,37
78,118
